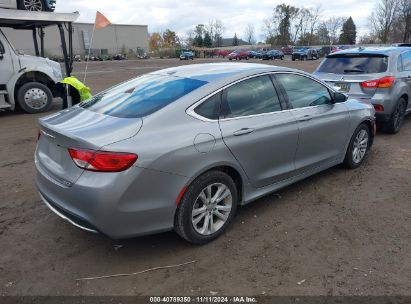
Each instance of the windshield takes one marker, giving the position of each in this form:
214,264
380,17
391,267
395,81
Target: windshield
354,64
141,96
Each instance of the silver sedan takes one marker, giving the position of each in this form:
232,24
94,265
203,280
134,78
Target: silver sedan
182,148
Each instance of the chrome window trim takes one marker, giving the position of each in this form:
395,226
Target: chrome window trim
191,109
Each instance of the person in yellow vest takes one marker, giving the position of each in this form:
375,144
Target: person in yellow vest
78,91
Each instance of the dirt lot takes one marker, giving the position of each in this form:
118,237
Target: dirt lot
343,232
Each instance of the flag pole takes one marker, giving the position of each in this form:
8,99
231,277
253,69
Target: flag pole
89,51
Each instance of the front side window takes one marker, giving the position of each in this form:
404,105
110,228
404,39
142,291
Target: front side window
303,92
141,96
250,97
2,50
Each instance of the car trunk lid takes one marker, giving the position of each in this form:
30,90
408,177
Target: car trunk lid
77,128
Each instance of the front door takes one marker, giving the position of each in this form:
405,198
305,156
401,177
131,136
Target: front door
260,134
323,124
6,62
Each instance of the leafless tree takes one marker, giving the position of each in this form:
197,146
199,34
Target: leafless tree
270,30
383,18
314,16
404,16
333,26
250,33
215,28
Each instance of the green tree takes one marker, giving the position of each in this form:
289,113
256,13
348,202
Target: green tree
199,32
198,41
285,14
348,32
235,40
207,42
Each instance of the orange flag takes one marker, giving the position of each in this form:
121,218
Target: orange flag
101,21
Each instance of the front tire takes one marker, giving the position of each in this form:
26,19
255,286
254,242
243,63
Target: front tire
396,121
358,148
34,97
207,208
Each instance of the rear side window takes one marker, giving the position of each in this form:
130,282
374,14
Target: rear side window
210,108
406,61
141,96
250,97
354,64
303,92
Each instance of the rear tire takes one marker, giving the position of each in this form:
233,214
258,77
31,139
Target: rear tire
396,121
211,218
34,97
358,147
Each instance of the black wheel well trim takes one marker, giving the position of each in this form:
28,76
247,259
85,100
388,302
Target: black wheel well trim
34,76
231,171
405,96
370,123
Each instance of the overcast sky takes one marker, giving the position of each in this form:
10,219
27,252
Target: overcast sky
183,15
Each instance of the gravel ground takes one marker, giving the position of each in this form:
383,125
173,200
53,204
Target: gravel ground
337,233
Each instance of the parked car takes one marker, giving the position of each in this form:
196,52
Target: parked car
26,81
304,53
381,76
255,54
223,53
29,5
287,50
215,136
238,55
187,56
273,54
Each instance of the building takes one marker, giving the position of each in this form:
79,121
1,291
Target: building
113,39
229,42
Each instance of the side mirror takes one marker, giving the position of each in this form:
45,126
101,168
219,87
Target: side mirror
339,97
1,56
20,52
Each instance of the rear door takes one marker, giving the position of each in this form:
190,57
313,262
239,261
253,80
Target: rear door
323,126
260,134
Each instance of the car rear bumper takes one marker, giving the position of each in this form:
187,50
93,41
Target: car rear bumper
119,205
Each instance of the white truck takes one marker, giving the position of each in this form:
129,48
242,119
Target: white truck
29,82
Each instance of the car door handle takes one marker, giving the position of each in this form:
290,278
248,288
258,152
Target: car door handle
243,131
305,118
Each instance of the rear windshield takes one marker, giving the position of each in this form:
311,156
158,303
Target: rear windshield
141,96
354,64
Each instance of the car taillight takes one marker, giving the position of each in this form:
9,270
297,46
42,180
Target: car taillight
385,82
102,161
379,108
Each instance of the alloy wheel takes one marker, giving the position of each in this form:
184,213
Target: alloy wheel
211,209
360,146
33,5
